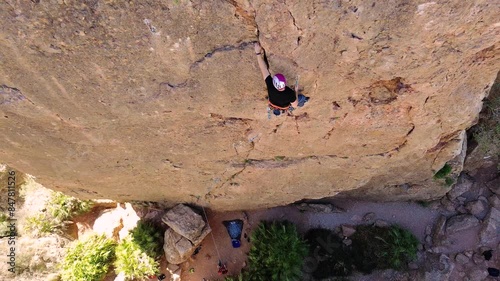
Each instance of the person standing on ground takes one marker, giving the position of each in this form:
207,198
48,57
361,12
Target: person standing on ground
281,97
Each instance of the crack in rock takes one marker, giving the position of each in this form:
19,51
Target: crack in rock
328,134
171,164
299,117
397,148
293,18
225,48
356,36
282,161
223,121
389,152
293,21
275,130
164,88
411,130
9,95
173,86
232,177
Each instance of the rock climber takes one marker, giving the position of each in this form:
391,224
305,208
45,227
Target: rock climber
280,96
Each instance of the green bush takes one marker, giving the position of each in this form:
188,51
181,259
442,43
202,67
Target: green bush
443,172
4,225
40,225
88,260
328,255
382,247
148,238
62,207
59,209
277,253
133,261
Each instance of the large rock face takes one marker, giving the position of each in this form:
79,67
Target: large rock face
142,100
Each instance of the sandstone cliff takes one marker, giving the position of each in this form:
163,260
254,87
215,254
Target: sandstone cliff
163,100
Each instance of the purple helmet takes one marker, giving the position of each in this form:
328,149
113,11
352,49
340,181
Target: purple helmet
279,81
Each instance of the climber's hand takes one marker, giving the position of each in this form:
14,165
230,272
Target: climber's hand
258,48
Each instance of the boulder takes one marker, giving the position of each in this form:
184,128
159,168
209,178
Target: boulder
438,230
462,210
197,241
428,240
464,183
477,258
469,254
183,220
490,232
129,219
428,229
461,258
478,208
369,217
116,223
460,223
478,274
347,242
439,249
177,248
381,223
448,205
413,265
109,222
494,186
494,201
187,230
348,230
439,270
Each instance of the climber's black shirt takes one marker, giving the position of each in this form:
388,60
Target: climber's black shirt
279,98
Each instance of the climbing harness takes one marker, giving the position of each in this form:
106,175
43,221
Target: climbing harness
276,110
221,268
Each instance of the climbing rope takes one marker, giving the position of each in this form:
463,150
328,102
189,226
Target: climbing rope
211,234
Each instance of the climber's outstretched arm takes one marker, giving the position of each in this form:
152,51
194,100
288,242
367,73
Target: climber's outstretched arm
260,59
296,102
